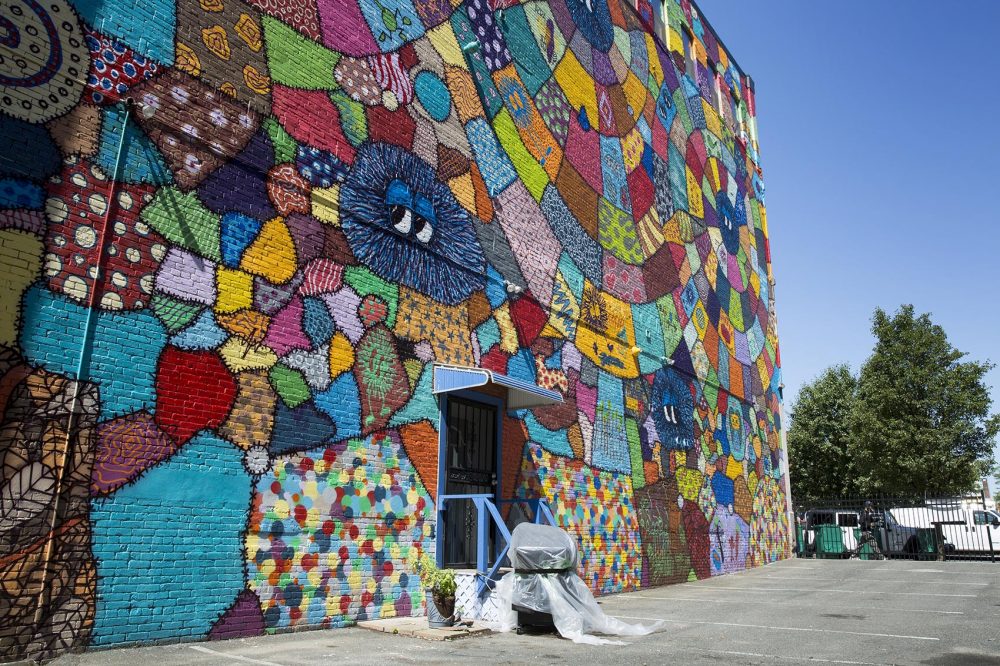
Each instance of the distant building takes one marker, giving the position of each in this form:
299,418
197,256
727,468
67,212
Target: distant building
280,276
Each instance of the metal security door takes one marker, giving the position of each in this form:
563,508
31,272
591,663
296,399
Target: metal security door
470,468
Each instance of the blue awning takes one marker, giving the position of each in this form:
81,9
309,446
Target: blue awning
520,394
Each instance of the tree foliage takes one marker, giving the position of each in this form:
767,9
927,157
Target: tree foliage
921,419
819,437
917,419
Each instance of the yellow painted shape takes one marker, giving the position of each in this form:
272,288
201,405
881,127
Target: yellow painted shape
272,254
325,204
696,206
611,346
711,268
239,355
21,259
635,93
675,43
712,120
508,334
235,290
734,469
712,173
578,86
689,483
632,146
464,191
700,319
755,282
341,355
444,42
653,58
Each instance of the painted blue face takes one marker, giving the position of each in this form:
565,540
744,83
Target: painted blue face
593,18
731,218
672,410
407,226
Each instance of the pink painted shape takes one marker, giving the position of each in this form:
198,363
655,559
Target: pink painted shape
344,28
285,333
322,276
531,238
583,150
733,273
586,400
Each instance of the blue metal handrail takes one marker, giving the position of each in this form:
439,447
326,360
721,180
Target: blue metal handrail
486,513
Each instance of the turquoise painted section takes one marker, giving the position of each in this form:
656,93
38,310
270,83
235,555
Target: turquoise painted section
141,161
53,333
147,27
169,547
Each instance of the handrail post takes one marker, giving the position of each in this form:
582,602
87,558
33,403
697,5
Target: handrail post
482,540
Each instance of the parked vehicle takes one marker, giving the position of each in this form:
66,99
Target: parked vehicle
966,527
845,519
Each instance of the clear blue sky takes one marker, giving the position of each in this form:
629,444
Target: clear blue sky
879,127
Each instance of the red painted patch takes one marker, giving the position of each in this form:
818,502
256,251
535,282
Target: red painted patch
529,319
311,118
194,391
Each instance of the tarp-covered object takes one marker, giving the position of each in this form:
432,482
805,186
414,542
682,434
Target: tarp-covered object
544,580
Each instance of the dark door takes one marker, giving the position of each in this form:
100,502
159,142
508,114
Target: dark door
470,468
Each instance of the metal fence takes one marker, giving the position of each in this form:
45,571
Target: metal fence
922,528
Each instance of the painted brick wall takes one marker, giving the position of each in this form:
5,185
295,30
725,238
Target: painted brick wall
235,237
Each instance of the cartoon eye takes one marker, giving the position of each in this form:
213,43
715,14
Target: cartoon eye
401,218
424,230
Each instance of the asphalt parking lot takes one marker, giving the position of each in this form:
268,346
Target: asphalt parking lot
796,611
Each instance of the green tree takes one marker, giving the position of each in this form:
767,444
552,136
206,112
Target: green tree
819,436
921,419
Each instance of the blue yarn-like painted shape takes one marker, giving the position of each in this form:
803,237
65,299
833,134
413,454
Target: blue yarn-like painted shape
594,21
450,266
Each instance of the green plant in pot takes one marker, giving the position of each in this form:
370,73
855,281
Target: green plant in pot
439,588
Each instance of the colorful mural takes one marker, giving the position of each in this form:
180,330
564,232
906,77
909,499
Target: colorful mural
235,236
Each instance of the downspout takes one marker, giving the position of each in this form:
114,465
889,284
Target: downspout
82,369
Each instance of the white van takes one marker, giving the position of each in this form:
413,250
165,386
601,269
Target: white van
966,528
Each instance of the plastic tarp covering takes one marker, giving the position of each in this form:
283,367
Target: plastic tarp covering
562,594
541,547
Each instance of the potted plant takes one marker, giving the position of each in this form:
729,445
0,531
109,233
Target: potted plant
439,590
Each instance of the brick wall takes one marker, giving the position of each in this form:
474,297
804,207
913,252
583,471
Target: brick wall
235,236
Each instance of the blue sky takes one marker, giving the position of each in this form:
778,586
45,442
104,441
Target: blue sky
879,127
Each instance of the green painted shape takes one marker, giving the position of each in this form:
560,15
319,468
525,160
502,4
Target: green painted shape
531,66
635,453
352,117
736,311
184,221
528,168
290,385
296,61
649,336
680,103
692,576
671,330
678,178
364,282
617,234
285,147
711,392
174,314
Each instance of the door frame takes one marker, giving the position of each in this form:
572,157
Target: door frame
442,473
